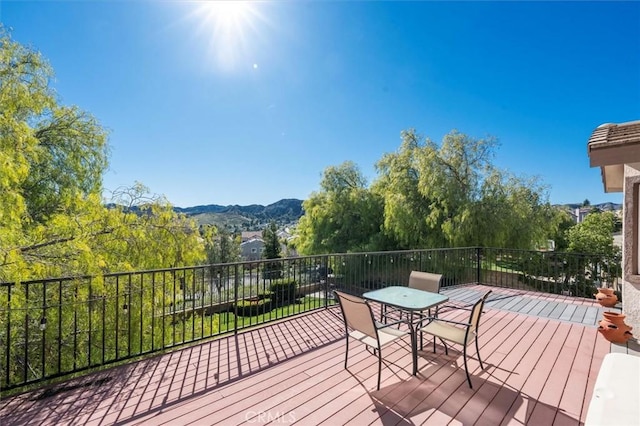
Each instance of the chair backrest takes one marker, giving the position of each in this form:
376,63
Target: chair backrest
476,311
357,314
425,281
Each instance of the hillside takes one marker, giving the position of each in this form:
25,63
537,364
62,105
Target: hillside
243,217
285,211
605,207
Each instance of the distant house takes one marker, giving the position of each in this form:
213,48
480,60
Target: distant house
250,235
283,234
580,213
252,244
252,249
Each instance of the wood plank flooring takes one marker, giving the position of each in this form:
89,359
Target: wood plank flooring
563,308
541,355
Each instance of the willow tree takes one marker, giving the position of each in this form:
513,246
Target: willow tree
451,195
343,216
53,220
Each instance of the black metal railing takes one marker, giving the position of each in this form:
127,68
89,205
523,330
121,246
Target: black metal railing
56,327
570,274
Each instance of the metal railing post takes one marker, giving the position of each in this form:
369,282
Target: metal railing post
478,262
235,301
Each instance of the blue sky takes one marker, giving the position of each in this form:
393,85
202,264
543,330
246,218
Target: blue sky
230,105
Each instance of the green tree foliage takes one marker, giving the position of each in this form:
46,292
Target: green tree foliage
221,246
562,223
344,216
427,195
271,242
451,195
594,234
592,240
53,220
272,250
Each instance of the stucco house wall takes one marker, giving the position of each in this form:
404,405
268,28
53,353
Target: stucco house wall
630,252
615,148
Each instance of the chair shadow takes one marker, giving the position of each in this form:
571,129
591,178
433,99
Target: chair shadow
440,394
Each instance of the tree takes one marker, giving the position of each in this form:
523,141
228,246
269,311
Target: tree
272,251
221,246
593,235
53,220
452,195
271,242
562,223
343,216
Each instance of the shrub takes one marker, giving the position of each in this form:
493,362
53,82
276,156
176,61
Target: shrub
283,291
250,308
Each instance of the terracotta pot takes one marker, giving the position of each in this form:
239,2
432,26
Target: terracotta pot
606,297
614,329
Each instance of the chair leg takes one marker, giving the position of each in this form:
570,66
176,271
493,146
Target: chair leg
446,349
346,353
379,366
466,369
478,353
414,350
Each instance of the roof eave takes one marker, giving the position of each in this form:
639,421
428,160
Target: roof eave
610,147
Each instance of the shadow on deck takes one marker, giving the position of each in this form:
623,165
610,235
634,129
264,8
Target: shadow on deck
539,370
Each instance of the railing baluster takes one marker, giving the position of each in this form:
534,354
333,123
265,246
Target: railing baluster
25,360
43,326
7,377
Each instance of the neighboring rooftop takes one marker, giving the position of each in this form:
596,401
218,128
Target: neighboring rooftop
610,147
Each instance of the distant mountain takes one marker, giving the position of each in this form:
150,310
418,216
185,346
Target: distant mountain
605,207
283,211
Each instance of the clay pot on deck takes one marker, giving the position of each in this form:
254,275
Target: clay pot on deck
606,297
613,328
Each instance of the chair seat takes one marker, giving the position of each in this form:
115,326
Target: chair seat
460,333
358,317
386,336
446,331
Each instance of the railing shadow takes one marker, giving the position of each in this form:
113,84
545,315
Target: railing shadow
123,394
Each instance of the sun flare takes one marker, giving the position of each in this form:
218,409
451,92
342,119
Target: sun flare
226,15
227,26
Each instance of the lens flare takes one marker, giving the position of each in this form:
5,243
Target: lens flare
227,25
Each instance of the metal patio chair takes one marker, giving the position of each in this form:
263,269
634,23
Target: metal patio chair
360,325
458,332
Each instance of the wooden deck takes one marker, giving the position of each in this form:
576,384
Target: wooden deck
541,354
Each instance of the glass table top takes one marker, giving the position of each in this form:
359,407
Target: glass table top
406,298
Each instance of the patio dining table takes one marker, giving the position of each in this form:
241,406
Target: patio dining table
411,300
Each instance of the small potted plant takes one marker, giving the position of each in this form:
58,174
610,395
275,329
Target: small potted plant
606,297
614,329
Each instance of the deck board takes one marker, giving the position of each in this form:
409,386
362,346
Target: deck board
537,370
